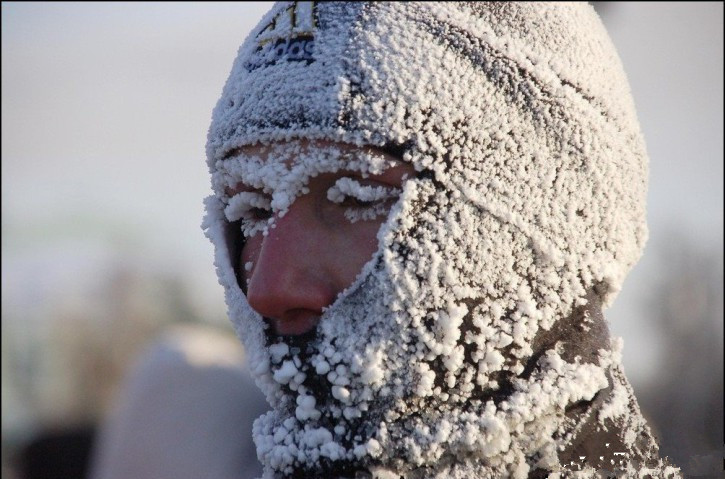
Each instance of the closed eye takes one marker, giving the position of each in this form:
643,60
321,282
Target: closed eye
260,214
353,202
362,201
252,208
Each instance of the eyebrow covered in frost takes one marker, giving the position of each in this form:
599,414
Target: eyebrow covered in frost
368,201
350,187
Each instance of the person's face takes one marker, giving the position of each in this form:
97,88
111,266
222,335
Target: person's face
318,247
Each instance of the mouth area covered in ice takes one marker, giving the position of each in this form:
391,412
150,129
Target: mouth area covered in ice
360,395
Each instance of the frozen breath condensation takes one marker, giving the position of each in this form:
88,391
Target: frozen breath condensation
530,195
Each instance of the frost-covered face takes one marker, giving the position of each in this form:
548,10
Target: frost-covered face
318,247
425,321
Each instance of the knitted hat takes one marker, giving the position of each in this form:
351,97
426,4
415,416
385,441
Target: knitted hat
530,194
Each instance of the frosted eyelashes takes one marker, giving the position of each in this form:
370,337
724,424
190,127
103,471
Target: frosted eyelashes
360,202
243,205
364,202
252,208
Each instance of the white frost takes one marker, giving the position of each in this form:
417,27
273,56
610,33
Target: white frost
530,191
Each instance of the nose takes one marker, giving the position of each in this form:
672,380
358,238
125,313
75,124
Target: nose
289,283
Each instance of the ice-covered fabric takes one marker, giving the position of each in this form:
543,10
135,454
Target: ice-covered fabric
458,350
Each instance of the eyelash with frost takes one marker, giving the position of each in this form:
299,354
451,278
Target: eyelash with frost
240,207
376,195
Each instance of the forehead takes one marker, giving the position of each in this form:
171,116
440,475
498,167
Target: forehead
286,167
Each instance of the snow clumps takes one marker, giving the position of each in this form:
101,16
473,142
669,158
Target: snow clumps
528,202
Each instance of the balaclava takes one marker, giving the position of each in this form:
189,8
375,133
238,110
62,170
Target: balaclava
471,344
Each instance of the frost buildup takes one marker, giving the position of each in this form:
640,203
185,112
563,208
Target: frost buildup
472,344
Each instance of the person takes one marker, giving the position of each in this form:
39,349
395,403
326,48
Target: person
420,211
184,412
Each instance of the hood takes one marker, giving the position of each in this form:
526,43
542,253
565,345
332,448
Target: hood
471,344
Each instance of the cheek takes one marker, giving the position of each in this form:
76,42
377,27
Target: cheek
368,236
248,258
358,247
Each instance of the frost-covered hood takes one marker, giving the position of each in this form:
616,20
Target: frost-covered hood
448,355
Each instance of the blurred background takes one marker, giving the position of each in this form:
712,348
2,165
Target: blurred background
105,108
